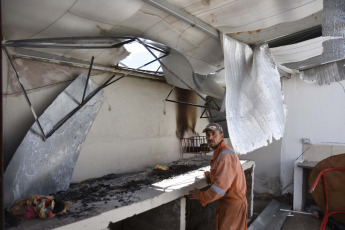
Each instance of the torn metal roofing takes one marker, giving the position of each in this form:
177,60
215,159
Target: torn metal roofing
245,20
43,166
189,27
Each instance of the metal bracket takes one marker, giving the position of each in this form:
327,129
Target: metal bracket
190,104
76,43
165,67
210,116
83,101
25,94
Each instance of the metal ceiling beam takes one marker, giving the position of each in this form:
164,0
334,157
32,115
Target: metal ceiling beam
52,58
296,37
184,16
72,42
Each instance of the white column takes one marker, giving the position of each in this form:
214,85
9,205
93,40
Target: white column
298,194
183,214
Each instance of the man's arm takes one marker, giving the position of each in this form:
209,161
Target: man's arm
223,178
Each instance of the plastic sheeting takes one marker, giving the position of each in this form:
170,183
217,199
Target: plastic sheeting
254,100
325,74
44,167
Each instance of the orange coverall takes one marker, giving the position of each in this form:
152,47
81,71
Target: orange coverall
228,186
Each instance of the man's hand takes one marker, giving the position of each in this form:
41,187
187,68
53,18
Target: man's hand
194,194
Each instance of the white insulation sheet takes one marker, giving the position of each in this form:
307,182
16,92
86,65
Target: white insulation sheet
325,74
333,23
333,50
254,100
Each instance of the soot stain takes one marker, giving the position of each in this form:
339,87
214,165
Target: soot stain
186,115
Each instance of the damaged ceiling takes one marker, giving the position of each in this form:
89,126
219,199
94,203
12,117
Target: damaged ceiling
180,25
294,32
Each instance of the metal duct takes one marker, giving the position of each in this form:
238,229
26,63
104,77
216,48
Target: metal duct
209,86
325,74
179,72
254,100
43,167
178,65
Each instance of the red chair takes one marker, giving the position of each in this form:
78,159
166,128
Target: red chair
327,215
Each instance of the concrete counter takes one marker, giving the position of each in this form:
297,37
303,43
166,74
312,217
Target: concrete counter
121,202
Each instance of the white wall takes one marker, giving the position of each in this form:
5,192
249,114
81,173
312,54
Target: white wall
315,112
267,168
135,128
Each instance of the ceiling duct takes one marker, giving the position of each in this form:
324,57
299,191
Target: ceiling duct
299,36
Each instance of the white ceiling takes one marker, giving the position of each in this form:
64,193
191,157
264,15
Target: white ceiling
231,16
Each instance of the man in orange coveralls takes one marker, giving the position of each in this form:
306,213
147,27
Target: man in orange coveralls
228,183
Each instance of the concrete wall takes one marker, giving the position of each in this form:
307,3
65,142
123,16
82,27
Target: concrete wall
135,128
315,112
43,83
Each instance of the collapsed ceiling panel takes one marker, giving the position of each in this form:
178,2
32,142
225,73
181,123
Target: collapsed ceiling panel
209,86
254,100
56,156
180,73
132,18
300,51
319,58
246,20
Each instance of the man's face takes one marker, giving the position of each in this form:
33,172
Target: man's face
214,138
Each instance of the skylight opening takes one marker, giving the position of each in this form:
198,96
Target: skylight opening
140,56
